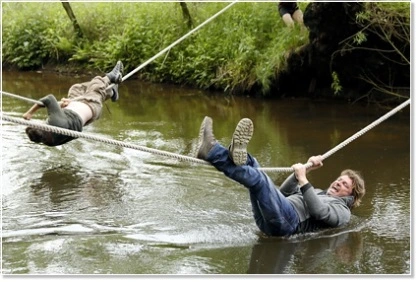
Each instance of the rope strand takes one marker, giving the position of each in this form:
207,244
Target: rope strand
22,98
77,134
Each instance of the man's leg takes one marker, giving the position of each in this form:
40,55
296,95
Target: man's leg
298,16
95,92
96,89
287,19
98,85
115,77
273,213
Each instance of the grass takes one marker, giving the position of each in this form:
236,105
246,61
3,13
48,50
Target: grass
242,47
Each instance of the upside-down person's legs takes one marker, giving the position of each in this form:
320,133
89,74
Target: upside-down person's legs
99,85
95,92
273,213
96,89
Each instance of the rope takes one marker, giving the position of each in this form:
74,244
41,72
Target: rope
22,98
348,140
367,128
77,134
174,43
178,41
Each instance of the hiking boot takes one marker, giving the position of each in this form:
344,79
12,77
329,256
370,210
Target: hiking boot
242,135
206,138
115,76
115,92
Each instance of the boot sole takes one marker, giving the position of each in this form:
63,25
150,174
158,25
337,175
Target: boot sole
240,139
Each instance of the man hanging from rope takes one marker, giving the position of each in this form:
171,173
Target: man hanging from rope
296,207
83,106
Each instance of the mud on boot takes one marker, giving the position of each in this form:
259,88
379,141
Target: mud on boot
240,139
115,91
206,138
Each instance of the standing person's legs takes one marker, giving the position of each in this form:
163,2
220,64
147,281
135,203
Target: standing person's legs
287,19
298,16
273,213
286,15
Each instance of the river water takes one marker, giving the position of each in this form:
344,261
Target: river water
92,208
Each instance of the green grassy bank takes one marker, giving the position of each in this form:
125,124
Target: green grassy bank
245,44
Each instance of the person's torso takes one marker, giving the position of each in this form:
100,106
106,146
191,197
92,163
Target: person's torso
306,222
82,109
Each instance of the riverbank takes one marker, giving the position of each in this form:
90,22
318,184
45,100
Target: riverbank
247,50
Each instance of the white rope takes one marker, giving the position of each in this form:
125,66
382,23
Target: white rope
177,41
348,140
367,128
77,134
174,43
22,98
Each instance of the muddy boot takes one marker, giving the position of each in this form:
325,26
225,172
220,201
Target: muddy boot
240,138
206,138
115,92
115,76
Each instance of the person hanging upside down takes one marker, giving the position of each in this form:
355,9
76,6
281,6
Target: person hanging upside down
296,206
83,106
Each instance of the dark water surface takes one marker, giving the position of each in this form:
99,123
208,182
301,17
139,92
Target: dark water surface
92,208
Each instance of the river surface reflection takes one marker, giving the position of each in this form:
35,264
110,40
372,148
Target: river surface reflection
93,208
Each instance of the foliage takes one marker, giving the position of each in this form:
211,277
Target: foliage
388,23
243,48
30,41
335,85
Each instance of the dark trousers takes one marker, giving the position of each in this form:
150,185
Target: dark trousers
273,212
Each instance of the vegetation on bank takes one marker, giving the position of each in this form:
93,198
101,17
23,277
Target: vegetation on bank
247,45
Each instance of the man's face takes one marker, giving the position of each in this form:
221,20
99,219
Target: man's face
342,186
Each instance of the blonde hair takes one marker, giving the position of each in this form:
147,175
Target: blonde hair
359,189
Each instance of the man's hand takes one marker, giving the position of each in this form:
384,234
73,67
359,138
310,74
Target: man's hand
316,162
301,170
300,173
27,116
64,102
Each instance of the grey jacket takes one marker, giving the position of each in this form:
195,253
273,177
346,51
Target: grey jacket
315,208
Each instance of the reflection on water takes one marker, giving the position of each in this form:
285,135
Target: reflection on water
315,256
88,207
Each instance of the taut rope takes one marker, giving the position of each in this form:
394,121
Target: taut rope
175,42
22,98
350,139
77,134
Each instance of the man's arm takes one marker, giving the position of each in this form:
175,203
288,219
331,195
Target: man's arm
333,212
290,185
28,115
